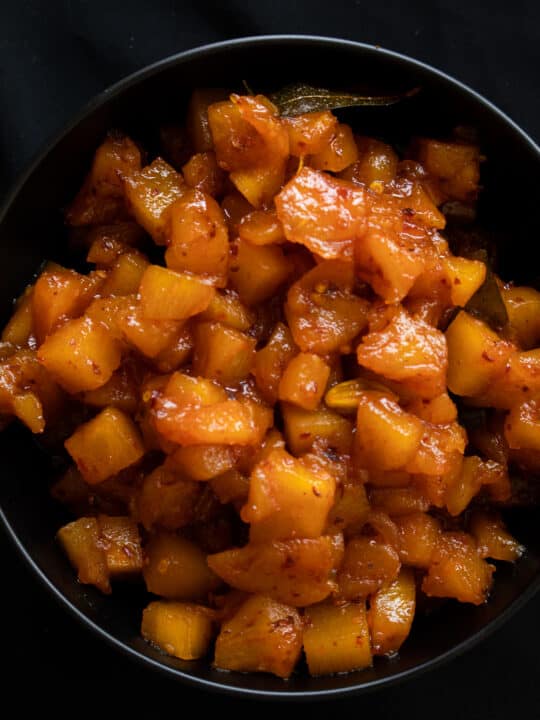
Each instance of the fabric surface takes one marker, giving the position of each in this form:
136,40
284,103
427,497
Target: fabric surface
54,57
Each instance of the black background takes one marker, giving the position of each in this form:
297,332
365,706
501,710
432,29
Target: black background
54,57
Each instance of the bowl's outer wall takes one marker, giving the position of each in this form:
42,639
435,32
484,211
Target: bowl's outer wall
32,230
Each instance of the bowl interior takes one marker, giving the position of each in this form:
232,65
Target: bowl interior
32,231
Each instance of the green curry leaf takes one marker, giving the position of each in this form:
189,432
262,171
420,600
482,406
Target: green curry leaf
300,98
487,302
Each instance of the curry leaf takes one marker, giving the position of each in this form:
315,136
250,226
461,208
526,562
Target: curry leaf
300,98
487,302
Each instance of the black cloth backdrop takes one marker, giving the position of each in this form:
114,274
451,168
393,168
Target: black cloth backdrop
54,57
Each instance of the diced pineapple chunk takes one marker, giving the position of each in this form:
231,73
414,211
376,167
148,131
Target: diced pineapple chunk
455,164
176,569
227,308
323,314
121,543
20,326
522,426
304,381
387,436
223,353
261,227
523,308
257,272
457,571
368,565
204,462
150,192
287,499
476,355
418,538
125,275
271,361
391,613
102,549
309,133
188,391
304,427
296,572
150,337
231,422
336,638
492,538
198,237
80,540
166,499
168,295
259,184
60,294
377,163
180,629
101,198
262,636
465,277
340,152
81,355
105,445
409,352
202,173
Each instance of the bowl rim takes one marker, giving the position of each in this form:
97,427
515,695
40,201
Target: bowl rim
132,653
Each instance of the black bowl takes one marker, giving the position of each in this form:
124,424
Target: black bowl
31,230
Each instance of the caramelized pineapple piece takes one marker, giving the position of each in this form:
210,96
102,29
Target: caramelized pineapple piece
105,445
492,538
223,353
336,638
409,352
418,538
476,355
304,381
257,272
323,314
102,549
456,570
271,360
387,437
81,355
310,133
166,499
168,295
340,152
182,630
150,192
297,572
262,636
368,564
391,613
176,569
198,237
304,427
287,499
101,198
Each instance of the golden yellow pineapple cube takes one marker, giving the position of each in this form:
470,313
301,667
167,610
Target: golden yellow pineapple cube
180,629
287,499
81,355
169,295
262,636
336,638
105,445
